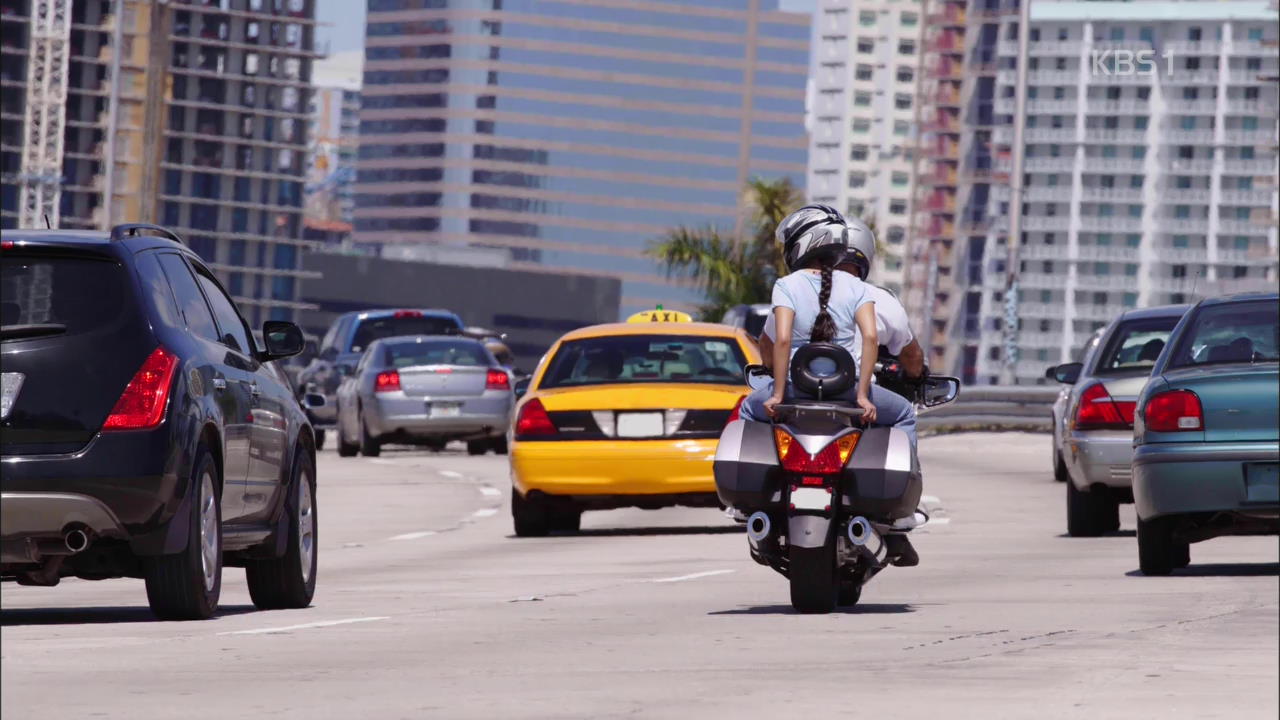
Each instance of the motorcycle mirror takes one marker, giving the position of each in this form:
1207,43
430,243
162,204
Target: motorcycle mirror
939,390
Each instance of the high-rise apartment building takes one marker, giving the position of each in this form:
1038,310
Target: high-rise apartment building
192,114
567,135
1144,186
862,117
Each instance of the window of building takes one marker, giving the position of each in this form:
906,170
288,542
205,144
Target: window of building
906,47
1135,211
910,19
1182,212
251,63
900,127
1134,240
1135,182
1060,64
866,45
897,207
867,18
1253,64
902,101
1146,34
1103,240
1108,151
861,125
1059,93
863,72
1113,93
896,235
1140,122
857,179
862,99
1249,123
1062,34
1144,93
1194,34
1117,34
1106,210
906,74
1181,241
1178,271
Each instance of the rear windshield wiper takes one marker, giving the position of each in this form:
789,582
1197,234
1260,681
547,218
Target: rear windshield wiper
15,332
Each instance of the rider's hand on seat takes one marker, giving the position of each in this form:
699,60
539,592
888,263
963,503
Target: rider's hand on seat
771,404
868,409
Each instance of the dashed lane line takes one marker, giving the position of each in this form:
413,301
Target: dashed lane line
306,626
413,535
691,576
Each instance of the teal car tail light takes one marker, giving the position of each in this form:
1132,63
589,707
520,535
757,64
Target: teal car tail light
1174,411
1097,411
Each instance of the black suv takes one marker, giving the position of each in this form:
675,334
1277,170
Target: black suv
143,433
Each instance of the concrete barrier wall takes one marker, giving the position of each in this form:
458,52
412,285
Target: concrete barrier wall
996,408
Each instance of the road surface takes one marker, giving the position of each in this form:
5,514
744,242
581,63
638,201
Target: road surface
427,607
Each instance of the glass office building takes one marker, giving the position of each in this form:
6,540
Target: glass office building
567,135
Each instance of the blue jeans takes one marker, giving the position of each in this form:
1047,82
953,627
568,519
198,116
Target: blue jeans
892,410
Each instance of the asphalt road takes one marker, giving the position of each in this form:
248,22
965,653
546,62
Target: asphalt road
427,607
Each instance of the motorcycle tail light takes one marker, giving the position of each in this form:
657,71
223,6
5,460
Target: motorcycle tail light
828,460
1174,411
141,406
1098,411
388,381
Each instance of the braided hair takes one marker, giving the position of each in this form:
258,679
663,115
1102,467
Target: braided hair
824,327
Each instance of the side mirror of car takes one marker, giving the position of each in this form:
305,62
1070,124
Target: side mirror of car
312,401
521,387
1067,373
939,390
282,339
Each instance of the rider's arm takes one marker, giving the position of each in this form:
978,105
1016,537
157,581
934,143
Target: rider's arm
865,317
766,350
783,317
912,359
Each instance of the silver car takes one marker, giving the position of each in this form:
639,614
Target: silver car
425,390
1093,418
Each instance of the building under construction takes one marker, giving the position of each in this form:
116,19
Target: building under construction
187,113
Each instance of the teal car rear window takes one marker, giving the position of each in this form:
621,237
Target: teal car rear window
1239,332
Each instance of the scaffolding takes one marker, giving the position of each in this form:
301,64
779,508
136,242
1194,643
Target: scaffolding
47,69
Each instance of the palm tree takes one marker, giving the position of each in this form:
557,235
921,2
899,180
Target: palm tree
732,271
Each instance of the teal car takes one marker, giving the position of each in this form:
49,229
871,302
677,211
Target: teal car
1206,459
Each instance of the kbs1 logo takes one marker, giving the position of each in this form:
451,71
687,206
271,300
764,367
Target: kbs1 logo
1130,62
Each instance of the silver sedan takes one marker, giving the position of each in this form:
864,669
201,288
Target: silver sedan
425,390
1093,418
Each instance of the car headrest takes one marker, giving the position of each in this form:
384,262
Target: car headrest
1238,350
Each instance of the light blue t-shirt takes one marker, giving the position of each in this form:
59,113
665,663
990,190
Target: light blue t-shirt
799,291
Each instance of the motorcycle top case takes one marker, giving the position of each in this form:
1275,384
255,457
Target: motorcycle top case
881,480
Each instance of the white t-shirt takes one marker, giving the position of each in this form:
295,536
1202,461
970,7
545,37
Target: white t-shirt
799,291
893,328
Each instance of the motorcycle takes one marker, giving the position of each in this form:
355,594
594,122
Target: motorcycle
824,499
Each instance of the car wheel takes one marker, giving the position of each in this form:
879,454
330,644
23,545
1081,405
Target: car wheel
499,445
187,584
345,449
289,581
1088,513
568,520
1181,554
436,444
529,517
320,439
1060,469
1156,546
477,447
369,445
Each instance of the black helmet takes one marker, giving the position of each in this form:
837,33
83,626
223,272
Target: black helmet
812,232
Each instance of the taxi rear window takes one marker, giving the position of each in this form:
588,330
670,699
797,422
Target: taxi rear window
635,359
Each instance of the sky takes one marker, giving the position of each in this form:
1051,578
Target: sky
341,34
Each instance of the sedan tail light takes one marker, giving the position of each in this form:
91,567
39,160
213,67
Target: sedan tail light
1098,411
533,421
830,459
388,381
1174,411
142,404
497,379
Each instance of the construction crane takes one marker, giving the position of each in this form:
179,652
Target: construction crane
40,178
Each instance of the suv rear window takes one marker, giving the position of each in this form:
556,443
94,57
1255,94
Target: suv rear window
55,296
394,325
1135,345
627,359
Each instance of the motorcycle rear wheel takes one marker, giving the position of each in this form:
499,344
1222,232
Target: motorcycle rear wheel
812,572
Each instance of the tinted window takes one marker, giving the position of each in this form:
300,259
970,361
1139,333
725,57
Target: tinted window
436,352
163,304
191,302
645,359
391,326
1135,345
1231,333
82,294
235,333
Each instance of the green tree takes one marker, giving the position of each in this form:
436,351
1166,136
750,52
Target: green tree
732,271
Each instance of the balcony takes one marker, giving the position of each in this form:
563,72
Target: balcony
1046,223
1249,77
1195,77
1202,165
1242,227
1116,136
1106,282
1043,282
1249,167
1249,137
1089,311
941,202
1097,193
1110,224
1183,226
1118,78
1039,339
1257,198
946,98
1180,48
941,123
1254,48
946,41
1185,196
1053,48
945,70
1052,107
1105,253
1049,164
1254,108
1192,107
941,175
1182,255
1039,310
1050,135
1175,285
947,16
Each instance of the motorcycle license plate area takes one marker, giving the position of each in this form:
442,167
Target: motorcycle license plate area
444,410
640,425
811,498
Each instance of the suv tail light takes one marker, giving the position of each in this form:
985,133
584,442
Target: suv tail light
830,459
142,404
1098,411
388,381
736,413
497,379
1174,411
533,420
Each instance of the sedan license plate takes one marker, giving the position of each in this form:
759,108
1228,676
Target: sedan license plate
10,384
444,410
811,498
1262,482
640,425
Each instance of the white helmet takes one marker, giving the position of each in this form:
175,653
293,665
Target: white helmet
862,247
812,232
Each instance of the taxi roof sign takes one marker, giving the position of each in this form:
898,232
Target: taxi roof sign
660,315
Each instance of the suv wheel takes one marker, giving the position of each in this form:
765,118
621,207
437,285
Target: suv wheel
369,445
528,516
1157,550
290,581
1089,514
187,584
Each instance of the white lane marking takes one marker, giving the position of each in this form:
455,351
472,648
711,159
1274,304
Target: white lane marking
938,521
383,461
450,473
306,626
413,535
930,500
692,576
485,512
490,491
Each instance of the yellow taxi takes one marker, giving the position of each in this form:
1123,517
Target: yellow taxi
625,415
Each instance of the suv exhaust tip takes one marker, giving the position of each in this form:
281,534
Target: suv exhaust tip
76,540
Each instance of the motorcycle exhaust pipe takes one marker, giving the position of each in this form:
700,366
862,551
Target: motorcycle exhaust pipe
76,541
862,535
758,526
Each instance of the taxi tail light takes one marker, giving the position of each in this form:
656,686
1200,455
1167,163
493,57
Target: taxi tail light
1098,411
388,381
141,406
497,379
1174,411
736,413
828,460
533,420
